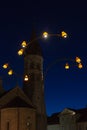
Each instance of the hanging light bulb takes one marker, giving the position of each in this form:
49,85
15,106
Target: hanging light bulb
67,66
78,60
26,78
64,34
24,44
45,35
80,66
5,66
20,52
10,72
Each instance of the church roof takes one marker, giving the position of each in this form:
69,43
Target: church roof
33,47
17,102
13,95
81,115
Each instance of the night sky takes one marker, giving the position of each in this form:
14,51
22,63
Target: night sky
63,88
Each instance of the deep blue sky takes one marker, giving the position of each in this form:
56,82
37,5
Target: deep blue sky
62,88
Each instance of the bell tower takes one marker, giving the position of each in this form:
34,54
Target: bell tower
34,87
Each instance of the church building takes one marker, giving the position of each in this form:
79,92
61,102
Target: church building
24,108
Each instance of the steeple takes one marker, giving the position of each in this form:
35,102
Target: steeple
34,47
34,88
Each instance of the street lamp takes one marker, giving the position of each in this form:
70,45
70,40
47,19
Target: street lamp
63,34
24,45
45,35
77,61
11,72
6,66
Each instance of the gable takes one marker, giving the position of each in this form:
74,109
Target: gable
67,111
16,92
17,102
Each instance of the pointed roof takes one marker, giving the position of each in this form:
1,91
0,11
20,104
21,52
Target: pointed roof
17,102
13,95
68,111
79,114
33,47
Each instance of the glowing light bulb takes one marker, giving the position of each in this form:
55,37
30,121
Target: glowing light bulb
66,66
64,34
20,52
5,66
10,72
24,44
26,78
45,35
78,60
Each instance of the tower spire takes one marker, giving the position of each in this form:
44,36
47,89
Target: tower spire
33,47
33,67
